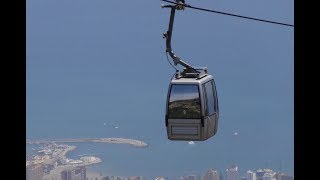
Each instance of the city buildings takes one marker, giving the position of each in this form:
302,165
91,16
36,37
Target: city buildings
135,178
261,172
232,173
34,172
251,175
109,178
268,176
211,174
78,173
190,177
282,176
160,178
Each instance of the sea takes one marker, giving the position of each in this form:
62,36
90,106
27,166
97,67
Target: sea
173,159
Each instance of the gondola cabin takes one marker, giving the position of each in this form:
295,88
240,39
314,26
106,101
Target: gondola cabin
192,110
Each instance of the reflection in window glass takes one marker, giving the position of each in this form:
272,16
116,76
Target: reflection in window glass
210,97
184,102
216,102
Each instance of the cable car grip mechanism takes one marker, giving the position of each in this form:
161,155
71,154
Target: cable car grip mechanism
189,71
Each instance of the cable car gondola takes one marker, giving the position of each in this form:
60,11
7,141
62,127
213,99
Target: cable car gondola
192,110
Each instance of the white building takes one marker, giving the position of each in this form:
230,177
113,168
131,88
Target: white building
232,173
268,176
211,174
190,177
282,176
159,178
260,172
251,175
34,172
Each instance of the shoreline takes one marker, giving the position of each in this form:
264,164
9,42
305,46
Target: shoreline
56,150
133,142
59,152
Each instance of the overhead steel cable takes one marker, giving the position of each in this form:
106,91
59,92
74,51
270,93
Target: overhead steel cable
229,14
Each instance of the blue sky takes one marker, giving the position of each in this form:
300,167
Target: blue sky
92,62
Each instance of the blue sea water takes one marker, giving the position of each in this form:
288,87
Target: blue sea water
173,159
86,68
262,141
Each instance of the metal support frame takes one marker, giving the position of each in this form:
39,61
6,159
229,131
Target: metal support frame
189,71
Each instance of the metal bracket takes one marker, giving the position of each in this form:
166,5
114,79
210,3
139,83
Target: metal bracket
189,70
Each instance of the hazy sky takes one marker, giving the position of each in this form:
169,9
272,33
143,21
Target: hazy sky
92,62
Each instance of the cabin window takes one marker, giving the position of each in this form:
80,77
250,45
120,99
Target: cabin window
210,98
184,102
216,106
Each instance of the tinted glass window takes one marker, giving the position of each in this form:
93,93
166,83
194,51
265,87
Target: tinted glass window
216,104
210,97
184,102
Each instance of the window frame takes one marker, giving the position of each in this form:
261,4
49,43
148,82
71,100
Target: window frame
216,107
169,95
206,109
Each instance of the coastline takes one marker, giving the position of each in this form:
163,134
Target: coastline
54,153
133,142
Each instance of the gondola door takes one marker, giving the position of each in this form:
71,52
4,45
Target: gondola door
211,109
184,112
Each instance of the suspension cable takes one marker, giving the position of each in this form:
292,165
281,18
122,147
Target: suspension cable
229,14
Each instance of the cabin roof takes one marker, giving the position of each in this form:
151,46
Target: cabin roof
208,77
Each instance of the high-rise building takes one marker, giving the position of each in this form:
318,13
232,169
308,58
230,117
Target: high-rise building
135,178
282,176
232,173
34,172
261,172
251,175
159,178
78,173
211,174
268,176
108,178
190,177
47,168
243,178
